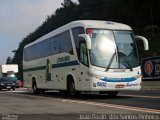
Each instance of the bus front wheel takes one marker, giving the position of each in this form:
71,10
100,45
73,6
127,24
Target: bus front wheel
35,89
71,89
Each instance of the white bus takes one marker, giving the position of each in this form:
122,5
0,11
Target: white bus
84,56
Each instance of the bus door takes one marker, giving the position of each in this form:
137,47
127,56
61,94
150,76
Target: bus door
84,64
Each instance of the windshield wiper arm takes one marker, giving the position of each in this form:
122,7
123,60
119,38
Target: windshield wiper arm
127,63
110,62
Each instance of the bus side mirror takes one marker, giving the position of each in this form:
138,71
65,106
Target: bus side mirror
87,38
145,42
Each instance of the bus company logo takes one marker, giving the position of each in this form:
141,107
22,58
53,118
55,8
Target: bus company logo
100,84
63,59
131,84
120,86
148,67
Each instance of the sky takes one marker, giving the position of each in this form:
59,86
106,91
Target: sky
18,18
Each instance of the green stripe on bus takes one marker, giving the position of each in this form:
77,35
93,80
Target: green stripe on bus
34,69
65,64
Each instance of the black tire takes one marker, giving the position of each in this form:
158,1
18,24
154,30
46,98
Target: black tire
71,89
36,90
112,93
13,88
34,87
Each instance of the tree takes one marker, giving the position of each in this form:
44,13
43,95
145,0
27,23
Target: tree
9,60
142,15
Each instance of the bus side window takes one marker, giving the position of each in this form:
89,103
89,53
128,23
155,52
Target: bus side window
83,53
55,44
66,44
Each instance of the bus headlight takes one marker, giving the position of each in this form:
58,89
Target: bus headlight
138,76
93,75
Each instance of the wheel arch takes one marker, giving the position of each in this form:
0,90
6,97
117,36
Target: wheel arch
34,80
70,78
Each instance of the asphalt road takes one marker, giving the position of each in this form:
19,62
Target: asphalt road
23,105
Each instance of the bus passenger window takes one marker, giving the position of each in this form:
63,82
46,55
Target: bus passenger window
66,40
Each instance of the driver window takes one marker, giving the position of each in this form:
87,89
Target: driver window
83,53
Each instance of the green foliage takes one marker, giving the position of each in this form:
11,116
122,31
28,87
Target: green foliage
142,15
9,60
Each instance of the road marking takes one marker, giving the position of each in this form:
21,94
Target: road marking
141,96
112,106
16,91
147,110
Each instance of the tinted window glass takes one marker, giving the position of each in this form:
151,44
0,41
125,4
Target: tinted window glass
83,53
35,51
66,45
27,53
76,31
45,48
55,44
126,49
38,50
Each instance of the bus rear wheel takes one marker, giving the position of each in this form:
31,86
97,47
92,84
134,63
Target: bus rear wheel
34,87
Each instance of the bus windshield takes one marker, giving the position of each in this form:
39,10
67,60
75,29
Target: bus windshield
113,49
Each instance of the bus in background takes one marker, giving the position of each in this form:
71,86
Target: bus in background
84,56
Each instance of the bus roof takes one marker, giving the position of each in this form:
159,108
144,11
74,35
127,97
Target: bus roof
101,24
86,24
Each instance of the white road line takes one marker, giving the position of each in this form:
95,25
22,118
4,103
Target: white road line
141,96
153,111
112,106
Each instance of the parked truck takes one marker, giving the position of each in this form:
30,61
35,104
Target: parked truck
8,70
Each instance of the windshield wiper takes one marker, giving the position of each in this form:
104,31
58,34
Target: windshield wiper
130,67
110,61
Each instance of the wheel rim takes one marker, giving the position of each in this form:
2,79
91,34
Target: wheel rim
34,87
72,89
